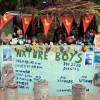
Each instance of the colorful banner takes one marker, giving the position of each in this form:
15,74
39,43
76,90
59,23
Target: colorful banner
68,21
87,18
4,20
8,28
26,21
46,20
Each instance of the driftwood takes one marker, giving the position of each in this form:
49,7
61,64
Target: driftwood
78,92
41,90
7,76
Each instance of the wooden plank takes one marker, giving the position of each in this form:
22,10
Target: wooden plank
27,97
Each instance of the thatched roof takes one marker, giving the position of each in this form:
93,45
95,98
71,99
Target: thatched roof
73,7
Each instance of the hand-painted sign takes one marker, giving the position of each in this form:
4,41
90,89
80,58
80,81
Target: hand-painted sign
60,69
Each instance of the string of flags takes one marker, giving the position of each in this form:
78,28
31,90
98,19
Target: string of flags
67,21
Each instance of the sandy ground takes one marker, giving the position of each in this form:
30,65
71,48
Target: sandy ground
27,97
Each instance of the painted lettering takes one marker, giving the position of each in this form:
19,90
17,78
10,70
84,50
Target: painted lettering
64,56
57,56
80,58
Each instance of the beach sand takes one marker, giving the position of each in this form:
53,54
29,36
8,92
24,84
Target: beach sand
28,97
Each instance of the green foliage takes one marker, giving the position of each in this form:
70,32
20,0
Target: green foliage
96,1
97,19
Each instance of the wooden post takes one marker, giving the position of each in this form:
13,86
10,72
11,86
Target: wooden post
41,90
78,92
11,92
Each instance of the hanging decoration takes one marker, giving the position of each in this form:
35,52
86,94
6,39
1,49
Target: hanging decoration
55,22
84,48
77,20
26,21
46,20
16,49
35,46
33,24
86,19
38,22
67,21
4,20
28,48
97,16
